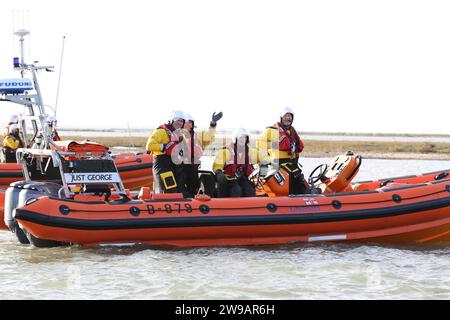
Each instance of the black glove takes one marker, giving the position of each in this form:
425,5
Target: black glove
215,118
220,176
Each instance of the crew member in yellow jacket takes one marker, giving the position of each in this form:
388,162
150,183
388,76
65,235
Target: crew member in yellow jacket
194,143
11,143
283,145
164,145
233,165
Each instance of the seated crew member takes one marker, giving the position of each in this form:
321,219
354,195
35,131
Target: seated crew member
283,145
11,143
163,144
194,144
232,166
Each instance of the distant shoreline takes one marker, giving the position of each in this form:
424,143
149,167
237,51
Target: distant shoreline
385,156
313,148
312,133
365,155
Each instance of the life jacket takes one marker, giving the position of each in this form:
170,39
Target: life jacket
168,148
55,136
194,152
286,140
231,166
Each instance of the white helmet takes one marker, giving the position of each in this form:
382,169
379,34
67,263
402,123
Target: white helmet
287,110
13,127
189,117
177,115
14,118
50,119
239,132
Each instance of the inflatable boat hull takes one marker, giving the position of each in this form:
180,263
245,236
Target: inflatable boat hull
413,214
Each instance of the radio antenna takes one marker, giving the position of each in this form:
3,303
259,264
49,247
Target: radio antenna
12,33
129,135
59,77
29,36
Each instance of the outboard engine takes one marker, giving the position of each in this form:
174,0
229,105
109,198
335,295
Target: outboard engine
11,202
17,195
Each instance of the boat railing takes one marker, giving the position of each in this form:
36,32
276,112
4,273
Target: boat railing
73,170
30,97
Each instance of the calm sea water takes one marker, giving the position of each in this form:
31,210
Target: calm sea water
301,271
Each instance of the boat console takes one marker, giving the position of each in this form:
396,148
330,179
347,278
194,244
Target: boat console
337,175
332,177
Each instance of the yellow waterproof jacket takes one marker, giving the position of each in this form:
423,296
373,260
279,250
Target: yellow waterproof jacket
156,141
12,142
268,144
161,137
202,139
206,137
224,157
163,140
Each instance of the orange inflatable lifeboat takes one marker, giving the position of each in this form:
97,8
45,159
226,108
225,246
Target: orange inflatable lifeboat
417,214
392,213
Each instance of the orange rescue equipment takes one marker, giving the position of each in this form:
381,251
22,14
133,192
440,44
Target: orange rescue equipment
340,173
278,183
80,148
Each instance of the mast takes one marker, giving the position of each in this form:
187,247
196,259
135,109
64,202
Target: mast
24,95
21,33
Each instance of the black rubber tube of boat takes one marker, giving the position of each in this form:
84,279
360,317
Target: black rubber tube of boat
209,221
135,167
93,203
